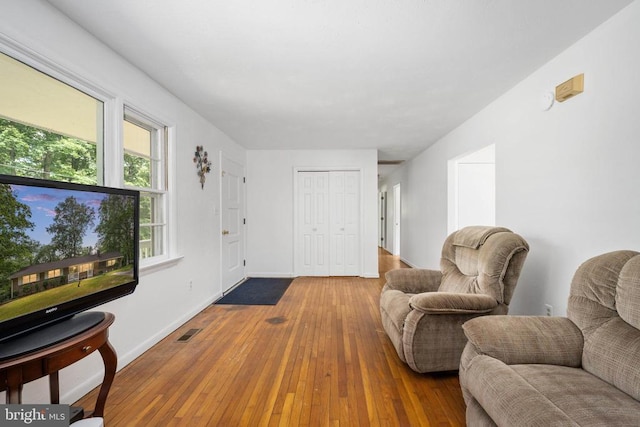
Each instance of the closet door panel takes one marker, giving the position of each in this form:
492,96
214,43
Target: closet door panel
313,223
328,223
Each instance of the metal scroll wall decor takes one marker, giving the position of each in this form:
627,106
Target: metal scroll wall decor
203,165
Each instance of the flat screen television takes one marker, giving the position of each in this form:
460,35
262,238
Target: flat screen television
64,248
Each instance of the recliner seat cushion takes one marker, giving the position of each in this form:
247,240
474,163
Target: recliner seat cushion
547,395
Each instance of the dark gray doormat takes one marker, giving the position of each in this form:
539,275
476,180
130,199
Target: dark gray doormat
257,291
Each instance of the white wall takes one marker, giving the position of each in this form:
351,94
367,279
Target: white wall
270,209
566,179
165,297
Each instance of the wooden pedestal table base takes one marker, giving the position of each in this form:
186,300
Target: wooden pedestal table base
17,371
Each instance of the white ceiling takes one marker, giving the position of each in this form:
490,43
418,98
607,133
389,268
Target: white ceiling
394,75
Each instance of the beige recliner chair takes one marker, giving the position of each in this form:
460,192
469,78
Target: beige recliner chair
423,310
579,370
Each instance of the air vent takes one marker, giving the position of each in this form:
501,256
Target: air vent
390,162
188,335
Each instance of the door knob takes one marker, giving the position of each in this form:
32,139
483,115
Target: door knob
225,232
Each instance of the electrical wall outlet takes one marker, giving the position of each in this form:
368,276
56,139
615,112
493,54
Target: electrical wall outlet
548,310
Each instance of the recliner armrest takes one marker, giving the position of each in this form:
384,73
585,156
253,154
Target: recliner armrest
452,303
527,339
413,280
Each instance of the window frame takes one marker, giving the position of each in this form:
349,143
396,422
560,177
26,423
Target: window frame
160,134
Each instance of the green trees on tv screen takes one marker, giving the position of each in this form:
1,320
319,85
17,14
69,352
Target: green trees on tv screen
68,228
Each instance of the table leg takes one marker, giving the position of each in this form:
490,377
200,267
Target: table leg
14,386
110,360
54,387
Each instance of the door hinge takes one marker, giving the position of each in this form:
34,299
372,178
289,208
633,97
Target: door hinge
244,221
244,262
244,179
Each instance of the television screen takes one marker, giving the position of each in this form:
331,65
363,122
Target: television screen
64,248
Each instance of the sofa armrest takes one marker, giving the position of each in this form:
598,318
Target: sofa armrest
452,303
413,280
527,339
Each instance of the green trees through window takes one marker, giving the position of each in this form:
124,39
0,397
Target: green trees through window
36,153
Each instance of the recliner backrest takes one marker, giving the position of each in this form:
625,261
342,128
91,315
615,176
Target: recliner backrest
483,260
604,302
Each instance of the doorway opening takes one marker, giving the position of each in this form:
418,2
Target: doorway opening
472,189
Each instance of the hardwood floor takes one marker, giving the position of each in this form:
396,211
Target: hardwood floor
319,357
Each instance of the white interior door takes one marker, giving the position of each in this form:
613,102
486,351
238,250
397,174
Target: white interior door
344,190
382,215
232,223
313,223
397,212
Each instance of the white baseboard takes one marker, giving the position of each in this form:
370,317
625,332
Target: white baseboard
371,275
409,263
269,275
292,275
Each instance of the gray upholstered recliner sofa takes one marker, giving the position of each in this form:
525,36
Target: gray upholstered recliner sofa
423,310
579,370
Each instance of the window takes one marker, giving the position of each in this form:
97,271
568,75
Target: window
81,268
48,129
29,278
144,169
54,273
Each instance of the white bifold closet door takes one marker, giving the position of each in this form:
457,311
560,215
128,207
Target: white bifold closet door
328,223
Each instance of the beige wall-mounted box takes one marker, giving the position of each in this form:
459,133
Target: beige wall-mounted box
571,87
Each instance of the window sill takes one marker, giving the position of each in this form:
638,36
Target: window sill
159,265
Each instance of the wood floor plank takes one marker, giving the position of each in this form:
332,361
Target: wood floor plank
318,358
